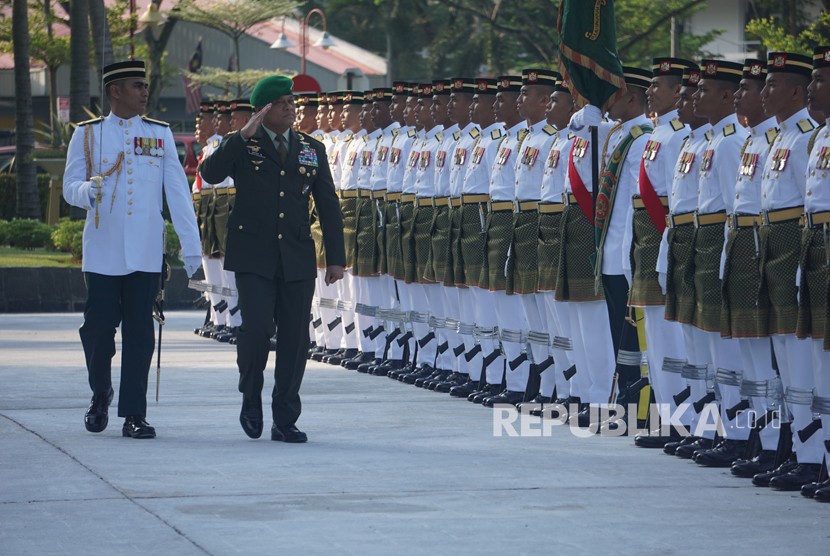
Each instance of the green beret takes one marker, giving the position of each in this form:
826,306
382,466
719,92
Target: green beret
270,89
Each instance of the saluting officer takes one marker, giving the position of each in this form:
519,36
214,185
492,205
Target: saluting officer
118,168
271,250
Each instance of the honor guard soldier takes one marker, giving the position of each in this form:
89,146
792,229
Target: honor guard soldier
398,339
676,261
382,288
482,350
422,300
815,262
783,191
664,339
505,309
719,165
620,168
271,251
559,110
460,305
742,314
307,105
119,168
364,269
523,271
204,130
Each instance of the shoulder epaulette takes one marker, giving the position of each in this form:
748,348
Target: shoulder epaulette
215,143
571,135
637,130
812,140
152,121
549,129
411,132
771,134
231,133
348,138
676,124
729,130
439,136
396,131
495,134
92,121
456,135
708,135
318,136
805,125
474,133
307,136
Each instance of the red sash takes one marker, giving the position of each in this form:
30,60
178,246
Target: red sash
583,196
656,210
198,181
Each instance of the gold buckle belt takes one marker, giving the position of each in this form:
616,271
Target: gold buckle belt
551,208
225,191
423,202
527,206
392,197
709,219
348,193
475,199
364,193
379,194
569,198
781,215
440,201
638,202
197,195
682,219
455,201
743,221
407,197
815,219
501,206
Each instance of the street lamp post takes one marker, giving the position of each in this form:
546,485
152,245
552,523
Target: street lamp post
324,41
150,18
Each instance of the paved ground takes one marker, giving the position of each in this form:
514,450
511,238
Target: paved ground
389,469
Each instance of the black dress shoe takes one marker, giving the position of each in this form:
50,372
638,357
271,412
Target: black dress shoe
822,494
688,451
655,440
809,490
136,427
387,367
763,479
418,372
722,455
96,416
748,468
396,373
228,336
288,433
487,392
671,447
353,363
318,356
464,390
251,416
437,374
802,474
506,397
369,366
456,379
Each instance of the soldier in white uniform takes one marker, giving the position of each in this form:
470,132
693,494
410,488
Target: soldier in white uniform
117,169
815,263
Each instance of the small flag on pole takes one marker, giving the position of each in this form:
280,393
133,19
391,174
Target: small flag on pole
193,92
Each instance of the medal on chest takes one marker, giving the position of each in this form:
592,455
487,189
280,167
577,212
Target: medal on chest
749,163
394,156
706,161
460,156
383,153
823,162
440,159
651,150
308,156
366,159
148,146
686,160
553,158
580,147
424,160
779,160
352,158
478,154
413,158
504,155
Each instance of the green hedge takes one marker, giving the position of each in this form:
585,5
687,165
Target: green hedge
26,234
8,196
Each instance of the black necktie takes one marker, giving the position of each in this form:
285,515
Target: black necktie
281,150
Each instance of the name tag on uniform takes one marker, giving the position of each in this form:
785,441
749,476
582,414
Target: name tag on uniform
148,146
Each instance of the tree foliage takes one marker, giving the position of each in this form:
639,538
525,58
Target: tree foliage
241,82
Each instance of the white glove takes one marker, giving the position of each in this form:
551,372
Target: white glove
191,265
661,279
96,184
592,116
577,120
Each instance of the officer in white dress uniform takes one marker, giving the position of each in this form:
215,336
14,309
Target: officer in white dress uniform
117,169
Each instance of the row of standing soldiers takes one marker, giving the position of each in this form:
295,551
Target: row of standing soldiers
482,263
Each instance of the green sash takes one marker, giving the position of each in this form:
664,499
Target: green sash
607,192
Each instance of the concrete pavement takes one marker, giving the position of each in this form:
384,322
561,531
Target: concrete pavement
389,469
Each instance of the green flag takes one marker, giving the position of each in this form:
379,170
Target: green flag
588,51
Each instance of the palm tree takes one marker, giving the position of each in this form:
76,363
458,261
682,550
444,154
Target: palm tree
28,200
